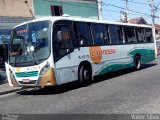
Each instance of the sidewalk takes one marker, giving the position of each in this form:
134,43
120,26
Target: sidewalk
5,88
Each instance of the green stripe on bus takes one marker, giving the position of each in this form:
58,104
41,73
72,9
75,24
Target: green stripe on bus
27,74
114,67
146,56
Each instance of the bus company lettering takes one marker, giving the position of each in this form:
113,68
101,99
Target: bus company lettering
102,52
96,53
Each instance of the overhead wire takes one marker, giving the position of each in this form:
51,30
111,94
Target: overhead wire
131,10
128,9
136,2
107,4
148,4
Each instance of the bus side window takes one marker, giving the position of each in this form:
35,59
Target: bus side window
130,34
66,41
76,36
83,37
141,35
62,41
106,35
149,37
121,35
62,38
113,30
98,34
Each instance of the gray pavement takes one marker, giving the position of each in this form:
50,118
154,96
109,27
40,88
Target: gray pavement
4,86
124,92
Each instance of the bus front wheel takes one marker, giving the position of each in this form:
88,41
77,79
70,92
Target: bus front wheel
137,62
85,75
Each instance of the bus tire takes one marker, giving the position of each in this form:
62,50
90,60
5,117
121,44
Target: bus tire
137,62
85,75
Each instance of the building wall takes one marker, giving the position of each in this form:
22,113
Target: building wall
16,8
77,8
13,12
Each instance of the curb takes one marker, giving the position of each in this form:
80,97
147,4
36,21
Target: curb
10,91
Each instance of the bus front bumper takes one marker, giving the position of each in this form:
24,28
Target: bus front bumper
47,79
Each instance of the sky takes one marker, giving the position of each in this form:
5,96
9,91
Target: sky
111,9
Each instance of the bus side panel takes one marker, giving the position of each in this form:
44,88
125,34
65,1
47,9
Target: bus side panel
67,66
102,61
146,51
124,57
115,61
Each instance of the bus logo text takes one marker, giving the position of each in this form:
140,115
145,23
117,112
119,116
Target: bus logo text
96,53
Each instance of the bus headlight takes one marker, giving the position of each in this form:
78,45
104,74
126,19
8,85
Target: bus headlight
45,69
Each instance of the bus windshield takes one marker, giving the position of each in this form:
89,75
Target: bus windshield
29,44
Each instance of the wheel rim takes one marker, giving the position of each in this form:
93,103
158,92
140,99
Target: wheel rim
86,75
138,63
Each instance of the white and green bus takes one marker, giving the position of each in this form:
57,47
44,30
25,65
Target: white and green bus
57,50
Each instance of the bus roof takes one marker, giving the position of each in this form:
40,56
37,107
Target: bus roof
57,18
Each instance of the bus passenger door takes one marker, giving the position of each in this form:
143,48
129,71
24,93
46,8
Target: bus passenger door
62,49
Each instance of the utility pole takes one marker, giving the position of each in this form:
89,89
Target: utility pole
123,16
99,3
153,25
127,11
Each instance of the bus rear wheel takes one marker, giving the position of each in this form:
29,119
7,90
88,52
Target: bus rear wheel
85,75
137,62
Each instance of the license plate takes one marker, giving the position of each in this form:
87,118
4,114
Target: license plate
26,80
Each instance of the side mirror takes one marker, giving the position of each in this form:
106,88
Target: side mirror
5,42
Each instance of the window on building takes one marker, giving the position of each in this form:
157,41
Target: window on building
149,37
141,35
116,34
130,34
56,10
82,32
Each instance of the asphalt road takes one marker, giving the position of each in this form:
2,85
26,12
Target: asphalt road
121,92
